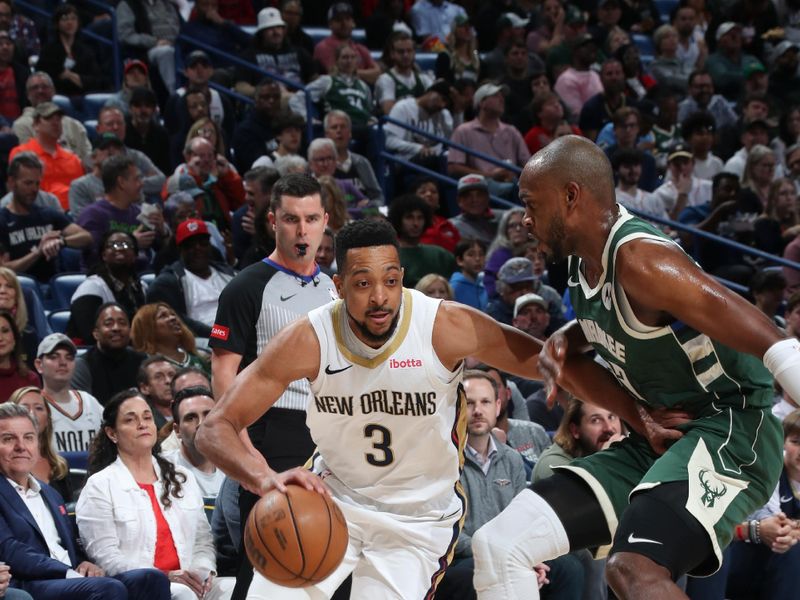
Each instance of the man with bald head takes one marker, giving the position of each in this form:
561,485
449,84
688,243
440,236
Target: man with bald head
705,450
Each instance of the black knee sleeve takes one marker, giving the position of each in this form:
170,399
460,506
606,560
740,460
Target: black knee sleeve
577,507
657,525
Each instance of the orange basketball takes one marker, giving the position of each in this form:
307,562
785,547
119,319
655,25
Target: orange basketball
295,539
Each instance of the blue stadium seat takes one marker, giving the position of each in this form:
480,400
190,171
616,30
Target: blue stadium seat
92,103
665,8
320,33
76,460
426,60
91,129
644,43
64,104
317,34
62,286
29,283
58,320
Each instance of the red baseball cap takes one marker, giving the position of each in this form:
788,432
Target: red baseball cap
190,228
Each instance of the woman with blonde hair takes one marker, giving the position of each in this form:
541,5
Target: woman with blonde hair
157,329
780,222
759,171
206,128
13,300
460,60
435,286
51,467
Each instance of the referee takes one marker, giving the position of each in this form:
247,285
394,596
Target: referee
256,305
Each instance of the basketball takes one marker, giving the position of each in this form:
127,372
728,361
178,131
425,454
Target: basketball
295,539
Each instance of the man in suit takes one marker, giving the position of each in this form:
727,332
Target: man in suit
37,540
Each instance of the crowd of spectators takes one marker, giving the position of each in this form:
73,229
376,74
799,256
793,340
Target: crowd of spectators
158,194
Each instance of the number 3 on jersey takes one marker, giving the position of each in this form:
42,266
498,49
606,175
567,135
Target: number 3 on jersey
382,440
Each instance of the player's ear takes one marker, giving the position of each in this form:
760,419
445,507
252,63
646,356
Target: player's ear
337,281
271,220
572,193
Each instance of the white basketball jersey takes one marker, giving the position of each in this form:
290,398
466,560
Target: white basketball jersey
390,428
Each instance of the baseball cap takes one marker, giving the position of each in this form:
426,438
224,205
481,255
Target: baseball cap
47,109
514,20
108,140
461,19
783,48
53,341
197,56
340,9
486,90
473,181
527,299
135,64
516,270
754,66
269,18
186,183
190,228
726,27
678,149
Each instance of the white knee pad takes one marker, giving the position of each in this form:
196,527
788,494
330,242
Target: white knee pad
507,548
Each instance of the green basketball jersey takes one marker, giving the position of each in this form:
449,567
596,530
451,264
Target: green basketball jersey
672,366
351,96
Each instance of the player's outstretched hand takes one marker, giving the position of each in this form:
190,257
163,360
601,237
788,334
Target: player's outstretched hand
659,437
297,476
551,362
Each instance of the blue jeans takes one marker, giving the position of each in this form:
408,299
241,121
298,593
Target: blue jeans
138,584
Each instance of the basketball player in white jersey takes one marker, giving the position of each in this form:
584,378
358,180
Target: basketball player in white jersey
387,416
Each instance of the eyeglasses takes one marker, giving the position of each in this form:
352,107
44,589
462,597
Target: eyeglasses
516,226
119,245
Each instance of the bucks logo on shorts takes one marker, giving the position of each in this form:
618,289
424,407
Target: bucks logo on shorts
711,489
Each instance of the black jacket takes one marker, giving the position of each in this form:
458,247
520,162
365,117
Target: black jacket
168,288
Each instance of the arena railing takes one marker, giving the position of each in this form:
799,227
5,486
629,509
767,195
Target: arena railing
235,60
113,41
385,155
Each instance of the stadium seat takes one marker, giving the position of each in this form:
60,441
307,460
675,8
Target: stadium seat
91,129
92,103
64,104
644,43
665,8
76,460
62,286
427,60
317,34
58,320
29,283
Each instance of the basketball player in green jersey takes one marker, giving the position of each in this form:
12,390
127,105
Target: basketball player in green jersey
675,339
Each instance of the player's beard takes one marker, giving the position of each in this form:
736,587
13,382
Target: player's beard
555,240
375,338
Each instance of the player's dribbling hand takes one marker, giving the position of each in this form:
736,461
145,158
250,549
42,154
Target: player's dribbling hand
297,476
551,361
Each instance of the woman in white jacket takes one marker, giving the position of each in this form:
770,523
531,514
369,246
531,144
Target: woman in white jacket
138,510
